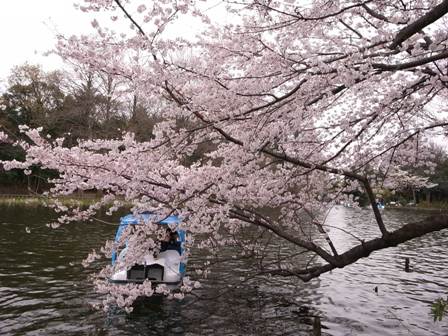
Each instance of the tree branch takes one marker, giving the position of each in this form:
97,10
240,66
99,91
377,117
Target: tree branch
430,17
141,31
408,65
376,211
405,233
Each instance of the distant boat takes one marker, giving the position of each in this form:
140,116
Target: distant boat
167,267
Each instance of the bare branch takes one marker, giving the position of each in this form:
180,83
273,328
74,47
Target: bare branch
141,31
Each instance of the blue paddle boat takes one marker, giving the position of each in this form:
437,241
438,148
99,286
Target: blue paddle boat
166,267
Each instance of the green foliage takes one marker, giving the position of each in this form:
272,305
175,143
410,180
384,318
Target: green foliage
439,309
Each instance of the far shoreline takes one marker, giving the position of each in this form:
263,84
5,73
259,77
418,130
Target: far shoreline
36,199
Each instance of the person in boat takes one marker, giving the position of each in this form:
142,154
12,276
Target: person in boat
169,241
380,203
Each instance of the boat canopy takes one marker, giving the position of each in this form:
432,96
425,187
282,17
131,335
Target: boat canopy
145,218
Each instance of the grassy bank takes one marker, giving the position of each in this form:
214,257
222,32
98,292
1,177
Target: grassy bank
443,205
36,200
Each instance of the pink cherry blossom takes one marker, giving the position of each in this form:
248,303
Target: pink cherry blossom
292,106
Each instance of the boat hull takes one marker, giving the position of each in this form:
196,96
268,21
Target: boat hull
166,268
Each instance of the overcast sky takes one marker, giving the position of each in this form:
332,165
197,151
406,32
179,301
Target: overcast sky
28,29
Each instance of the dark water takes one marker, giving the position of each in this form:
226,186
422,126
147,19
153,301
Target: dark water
44,290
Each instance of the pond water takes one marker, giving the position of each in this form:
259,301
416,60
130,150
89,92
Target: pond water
44,290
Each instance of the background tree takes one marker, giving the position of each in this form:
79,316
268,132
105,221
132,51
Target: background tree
78,103
439,176
34,98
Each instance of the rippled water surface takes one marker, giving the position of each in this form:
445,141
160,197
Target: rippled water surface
44,290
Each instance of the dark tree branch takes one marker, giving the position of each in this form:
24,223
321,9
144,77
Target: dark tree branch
141,31
405,233
376,15
326,16
430,17
240,214
409,65
376,211
351,29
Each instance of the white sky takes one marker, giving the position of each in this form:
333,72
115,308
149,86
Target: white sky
28,29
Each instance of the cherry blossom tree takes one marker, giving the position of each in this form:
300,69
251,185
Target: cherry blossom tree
300,101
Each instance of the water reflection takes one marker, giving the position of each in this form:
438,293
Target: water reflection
401,305
44,289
